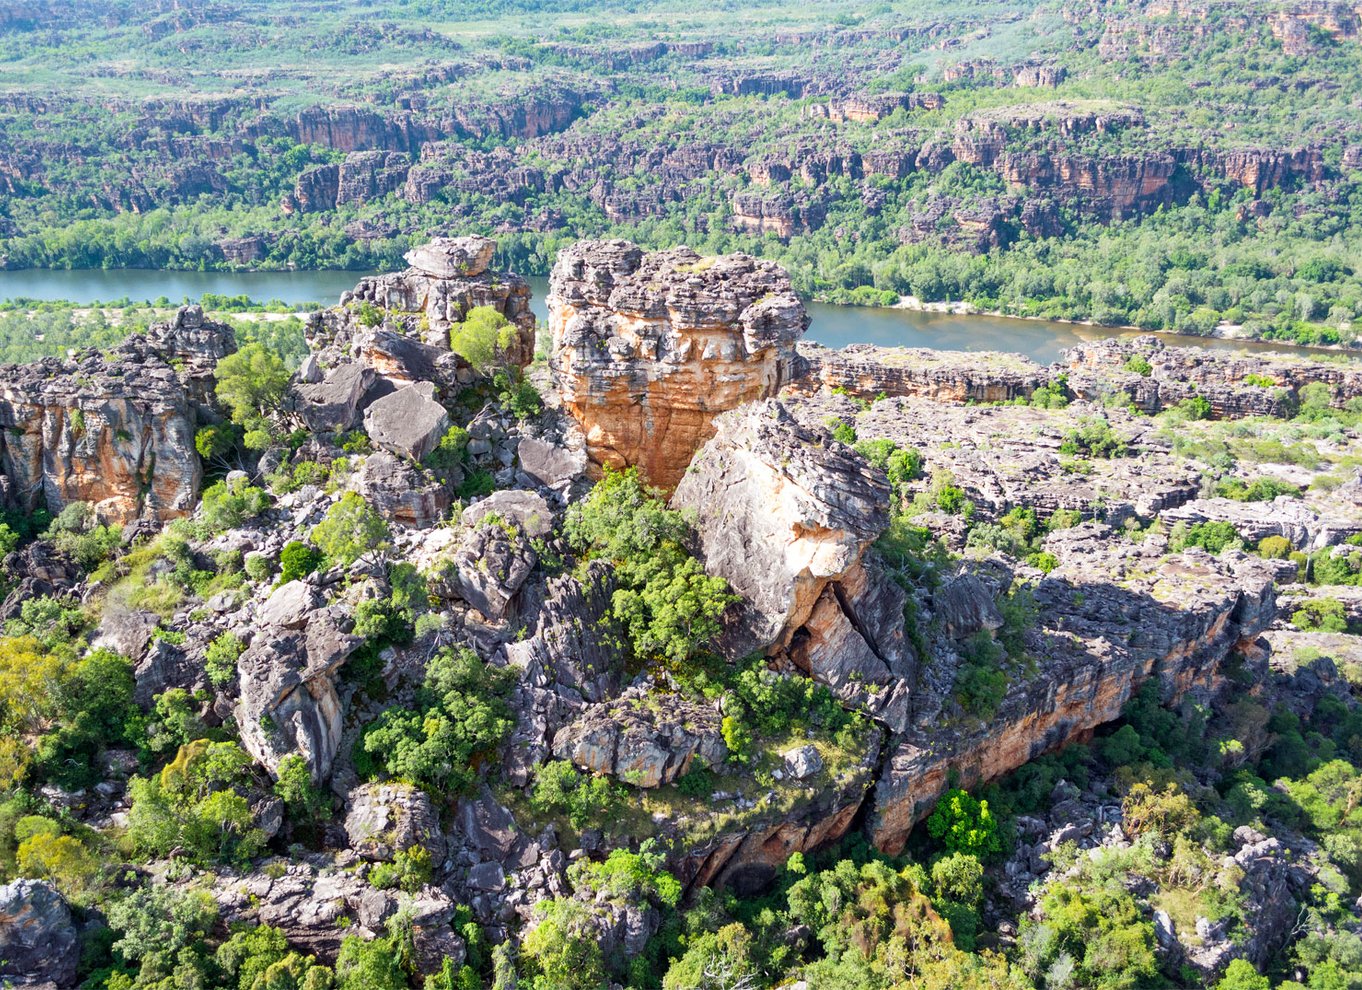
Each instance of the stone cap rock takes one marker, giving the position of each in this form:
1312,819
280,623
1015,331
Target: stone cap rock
453,257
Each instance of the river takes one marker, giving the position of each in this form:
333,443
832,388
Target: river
835,326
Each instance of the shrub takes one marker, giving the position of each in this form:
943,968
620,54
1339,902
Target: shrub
349,530
459,716
1274,547
215,442
257,566
77,533
629,876
668,606
304,800
517,394
1321,615
194,804
1139,364
1196,408
583,798
1213,537
450,450
963,824
409,871
980,684
842,432
1093,437
297,560
219,660
1257,490
899,464
482,338
228,506
251,383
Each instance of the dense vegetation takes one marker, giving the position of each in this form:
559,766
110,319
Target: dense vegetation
1272,248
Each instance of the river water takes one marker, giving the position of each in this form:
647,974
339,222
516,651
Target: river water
835,326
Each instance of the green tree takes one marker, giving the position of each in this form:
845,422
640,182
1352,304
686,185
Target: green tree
964,824
251,383
668,606
349,530
482,338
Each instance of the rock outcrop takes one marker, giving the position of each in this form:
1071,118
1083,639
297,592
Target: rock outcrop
786,514
38,941
447,278
1112,616
288,698
116,431
649,348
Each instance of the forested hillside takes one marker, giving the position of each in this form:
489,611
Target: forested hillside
1172,166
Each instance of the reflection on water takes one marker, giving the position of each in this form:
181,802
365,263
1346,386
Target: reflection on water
834,326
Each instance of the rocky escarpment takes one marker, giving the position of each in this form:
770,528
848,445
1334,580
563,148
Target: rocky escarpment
649,348
943,376
1235,385
787,515
1112,616
115,431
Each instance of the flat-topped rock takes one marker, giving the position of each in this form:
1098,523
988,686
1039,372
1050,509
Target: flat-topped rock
408,422
452,257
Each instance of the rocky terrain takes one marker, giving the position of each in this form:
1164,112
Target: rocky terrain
414,668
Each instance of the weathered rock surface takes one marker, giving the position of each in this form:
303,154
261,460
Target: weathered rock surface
448,277
867,371
400,490
384,819
288,698
643,744
116,431
408,422
785,514
38,941
1112,615
649,348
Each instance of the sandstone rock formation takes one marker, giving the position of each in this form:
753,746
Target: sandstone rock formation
38,941
448,277
649,348
288,698
1112,616
786,515
645,745
116,431
384,819
867,371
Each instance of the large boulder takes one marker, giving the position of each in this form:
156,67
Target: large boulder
400,490
649,348
786,514
38,942
641,744
452,257
408,422
384,819
332,404
288,700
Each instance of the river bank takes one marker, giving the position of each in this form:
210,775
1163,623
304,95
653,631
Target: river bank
938,326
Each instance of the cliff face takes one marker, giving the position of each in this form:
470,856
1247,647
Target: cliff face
649,348
117,432
788,516
1112,617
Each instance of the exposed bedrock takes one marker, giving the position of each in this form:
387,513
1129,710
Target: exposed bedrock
786,515
392,331
116,431
1111,616
945,376
649,348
